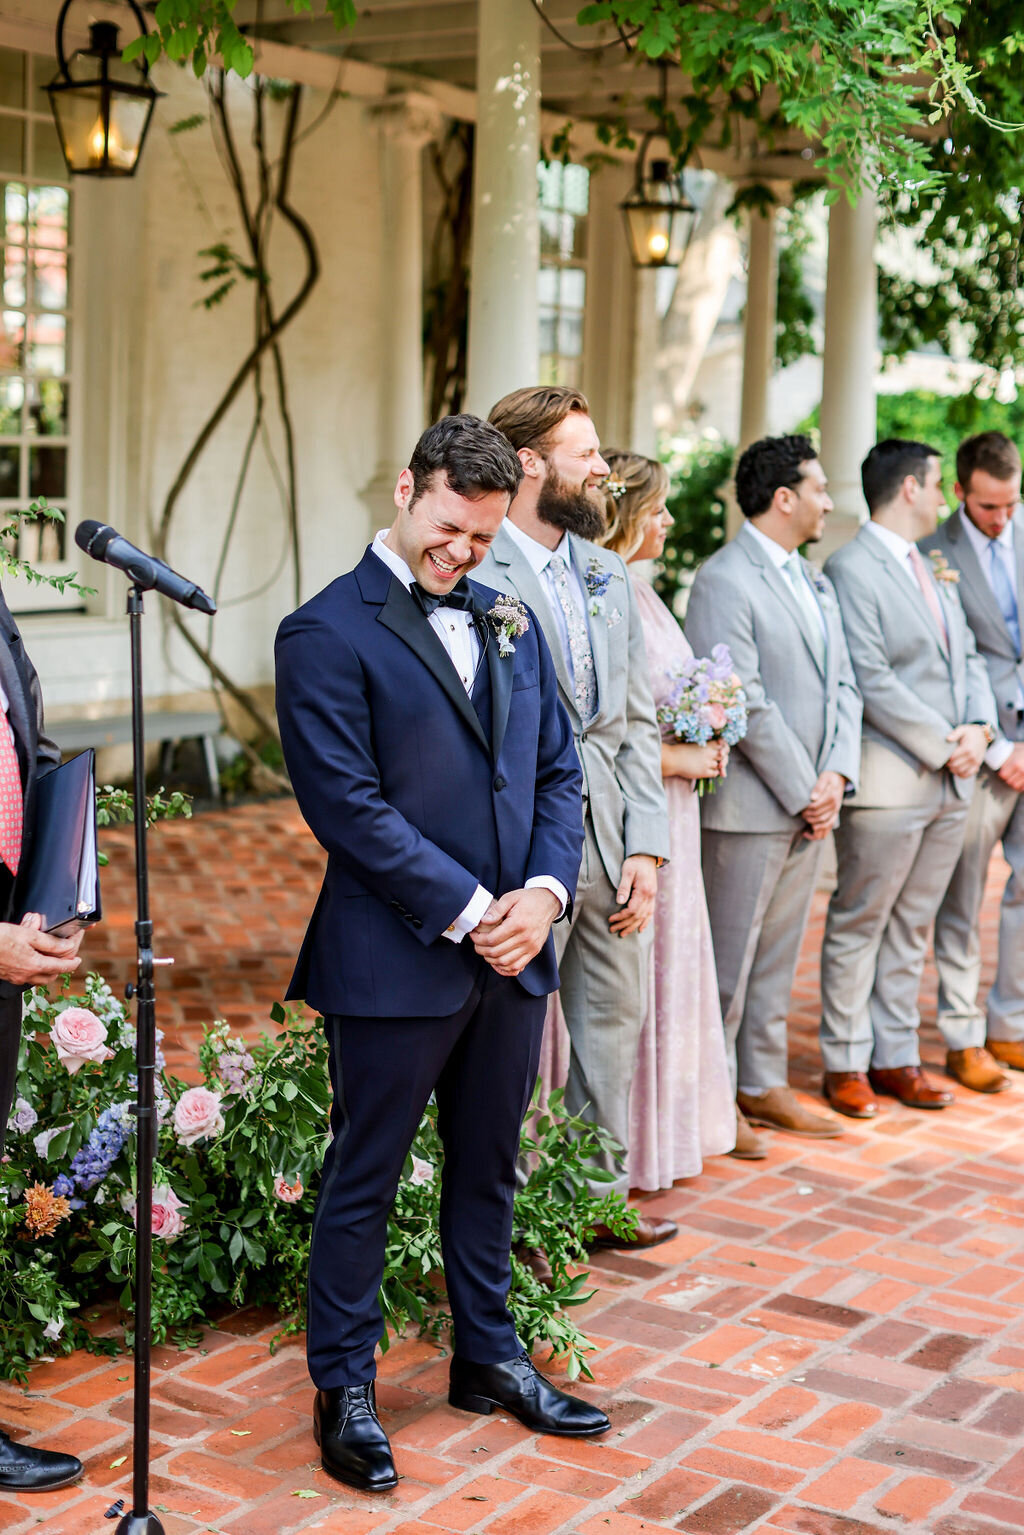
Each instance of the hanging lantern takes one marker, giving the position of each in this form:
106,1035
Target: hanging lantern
101,105
659,215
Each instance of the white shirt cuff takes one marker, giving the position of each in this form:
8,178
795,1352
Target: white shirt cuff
999,752
558,890
469,918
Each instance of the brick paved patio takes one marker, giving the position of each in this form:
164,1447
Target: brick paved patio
834,1345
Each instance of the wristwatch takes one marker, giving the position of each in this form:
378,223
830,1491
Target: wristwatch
990,734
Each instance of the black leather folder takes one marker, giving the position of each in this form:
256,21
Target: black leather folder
62,881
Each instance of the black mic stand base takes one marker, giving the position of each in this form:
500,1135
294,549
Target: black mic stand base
140,1524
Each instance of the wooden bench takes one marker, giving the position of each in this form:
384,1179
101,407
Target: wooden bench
165,726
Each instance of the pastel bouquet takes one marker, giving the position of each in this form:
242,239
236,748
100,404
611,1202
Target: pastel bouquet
706,703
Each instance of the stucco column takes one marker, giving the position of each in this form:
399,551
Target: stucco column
643,436
758,338
405,125
506,237
848,420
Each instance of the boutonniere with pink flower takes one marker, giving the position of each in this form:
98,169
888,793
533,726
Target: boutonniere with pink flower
942,570
510,621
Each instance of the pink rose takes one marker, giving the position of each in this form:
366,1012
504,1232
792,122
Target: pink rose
197,1114
79,1036
716,717
168,1221
288,1193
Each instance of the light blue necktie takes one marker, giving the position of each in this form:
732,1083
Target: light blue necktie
1004,594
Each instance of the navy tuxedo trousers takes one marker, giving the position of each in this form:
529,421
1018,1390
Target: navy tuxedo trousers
481,1064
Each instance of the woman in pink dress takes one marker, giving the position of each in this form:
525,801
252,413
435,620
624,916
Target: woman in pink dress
682,1107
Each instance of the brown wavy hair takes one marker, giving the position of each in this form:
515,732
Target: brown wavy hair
646,483
530,417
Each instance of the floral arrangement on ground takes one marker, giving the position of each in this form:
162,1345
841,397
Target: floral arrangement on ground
238,1164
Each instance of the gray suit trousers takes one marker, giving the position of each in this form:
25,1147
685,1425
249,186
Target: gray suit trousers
759,887
996,815
893,866
603,990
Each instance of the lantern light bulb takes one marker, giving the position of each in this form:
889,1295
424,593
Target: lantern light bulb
657,243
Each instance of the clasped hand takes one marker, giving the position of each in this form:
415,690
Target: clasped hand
822,809
513,929
969,750
30,957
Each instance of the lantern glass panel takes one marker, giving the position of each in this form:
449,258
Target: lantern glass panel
128,118
79,116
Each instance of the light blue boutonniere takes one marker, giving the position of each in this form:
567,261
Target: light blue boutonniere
822,588
597,581
509,620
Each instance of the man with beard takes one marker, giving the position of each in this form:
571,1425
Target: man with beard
763,832
582,598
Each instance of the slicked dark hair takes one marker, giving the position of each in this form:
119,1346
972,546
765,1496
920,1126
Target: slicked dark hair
473,456
768,465
887,466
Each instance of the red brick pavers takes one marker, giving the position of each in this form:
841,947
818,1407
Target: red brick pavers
834,1344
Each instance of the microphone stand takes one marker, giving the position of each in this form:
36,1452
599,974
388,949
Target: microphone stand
140,1521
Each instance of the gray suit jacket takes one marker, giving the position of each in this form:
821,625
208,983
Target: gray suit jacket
997,649
620,750
804,720
913,692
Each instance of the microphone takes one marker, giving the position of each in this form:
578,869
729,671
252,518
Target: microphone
104,543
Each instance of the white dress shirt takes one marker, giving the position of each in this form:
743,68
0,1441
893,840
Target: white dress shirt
457,633
1000,750
899,548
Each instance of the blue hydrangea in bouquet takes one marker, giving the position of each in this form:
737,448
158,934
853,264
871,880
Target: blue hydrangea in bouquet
706,703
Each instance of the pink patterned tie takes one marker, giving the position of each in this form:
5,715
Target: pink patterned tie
929,593
11,799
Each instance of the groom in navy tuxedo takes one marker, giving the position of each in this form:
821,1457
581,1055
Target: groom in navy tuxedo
432,760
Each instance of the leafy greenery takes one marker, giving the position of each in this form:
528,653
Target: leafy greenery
194,31
13,565
700,472
237,1203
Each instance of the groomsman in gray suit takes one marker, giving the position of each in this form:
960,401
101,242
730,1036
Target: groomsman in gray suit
984,541
583,602
928,718
763,829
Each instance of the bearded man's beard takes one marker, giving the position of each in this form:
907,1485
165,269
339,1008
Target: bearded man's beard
574,511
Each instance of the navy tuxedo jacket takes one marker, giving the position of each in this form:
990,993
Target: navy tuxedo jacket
417,793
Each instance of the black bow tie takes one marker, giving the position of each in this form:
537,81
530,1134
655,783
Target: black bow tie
460,597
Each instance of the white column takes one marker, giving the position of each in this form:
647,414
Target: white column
405,125
848,420
608,321
643,436
758,338
506,238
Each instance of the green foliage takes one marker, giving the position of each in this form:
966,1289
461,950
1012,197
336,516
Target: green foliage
241,1195
794,314
700,472
115,806
38,511
197,31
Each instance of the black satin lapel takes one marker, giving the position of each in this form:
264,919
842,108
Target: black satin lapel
501,669
401,615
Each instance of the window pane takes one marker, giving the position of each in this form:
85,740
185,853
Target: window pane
47,408
10,455
550,229
12,259
547,327
12,393
573,287
12,77
12,145
46,352
47,155
576,189
48,216
49,279
570,335
15,213
52,540
47,472
12,338
547,285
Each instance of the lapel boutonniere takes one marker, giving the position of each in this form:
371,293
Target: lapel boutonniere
942,570
597,581
509,620
822,588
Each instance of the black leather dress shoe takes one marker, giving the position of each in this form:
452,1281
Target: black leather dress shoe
24,1469
519,1388
353,1447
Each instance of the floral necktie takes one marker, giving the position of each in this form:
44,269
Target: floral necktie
580,654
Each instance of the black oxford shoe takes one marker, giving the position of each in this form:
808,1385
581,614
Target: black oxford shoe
519,1388
24,1469
354,1448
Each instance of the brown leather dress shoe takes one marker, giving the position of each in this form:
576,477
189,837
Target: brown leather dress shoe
781,1109
536,1260
849,1092
749,1147
975,1068
649,1232
1008,1052
910,1085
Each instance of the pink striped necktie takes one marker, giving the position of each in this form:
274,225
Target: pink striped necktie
929,594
